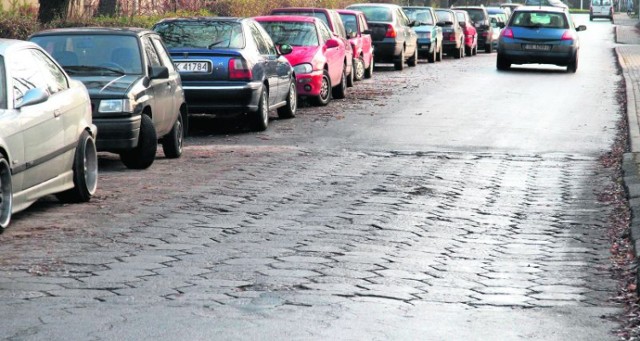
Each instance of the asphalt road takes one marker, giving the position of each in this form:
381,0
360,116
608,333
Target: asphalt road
446,201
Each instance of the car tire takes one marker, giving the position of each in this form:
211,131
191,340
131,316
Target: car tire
261,117
413,61
143,155
350,77
572,67
368,73
439,55
172,143
325,90
398,64
340,91
85,172
358,67
431,57
502,63
6,194
289,109
457,54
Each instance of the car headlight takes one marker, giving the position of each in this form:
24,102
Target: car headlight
303,68
114,105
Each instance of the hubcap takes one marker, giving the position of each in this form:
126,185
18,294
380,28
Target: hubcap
90,166
265,109
5,194
324,89
360,69
180,133
293,98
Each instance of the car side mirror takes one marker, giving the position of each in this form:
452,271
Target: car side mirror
158,72
581,28
284,49
332,43
32,97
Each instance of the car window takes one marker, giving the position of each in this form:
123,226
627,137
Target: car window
3,82
320,15
375,13
262,42
165,58
460,17
363,23
476,14
292,33
338,25
350,22
601,3
266,38
324,31
27,72
420,15
150,52
539,19
444,16
91,53
203,34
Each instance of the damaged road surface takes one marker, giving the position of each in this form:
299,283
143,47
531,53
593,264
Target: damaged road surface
447,201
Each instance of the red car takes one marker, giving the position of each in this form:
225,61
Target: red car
318,56
360,39
470,33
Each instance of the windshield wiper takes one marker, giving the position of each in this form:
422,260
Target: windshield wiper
75,69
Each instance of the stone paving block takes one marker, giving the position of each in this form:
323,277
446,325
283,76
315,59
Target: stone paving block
502,300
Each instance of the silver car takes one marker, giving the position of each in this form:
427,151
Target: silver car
46,135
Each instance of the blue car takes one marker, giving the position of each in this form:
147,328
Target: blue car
428,31
231,67
541,35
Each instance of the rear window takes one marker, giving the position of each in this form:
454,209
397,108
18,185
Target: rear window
444,16
350,22
476,15
419,15
375,13
201,34
292,33
320,15
539,19
601,3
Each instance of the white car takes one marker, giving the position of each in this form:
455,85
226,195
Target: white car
47,139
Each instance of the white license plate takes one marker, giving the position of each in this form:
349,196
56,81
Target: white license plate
203,67
537,47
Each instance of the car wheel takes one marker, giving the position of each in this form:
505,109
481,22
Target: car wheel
143,155
439,55
350,77
413,61
325,90
502,63
358,66
368,73
261,116
340,91
457,54
6,194
572,67
399,63
85,172
431,57
172,142
289,110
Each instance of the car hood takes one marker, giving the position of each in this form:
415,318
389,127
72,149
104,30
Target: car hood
302,54
106,86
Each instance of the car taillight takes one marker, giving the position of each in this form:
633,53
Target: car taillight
238,69
391,32
567,35
507,33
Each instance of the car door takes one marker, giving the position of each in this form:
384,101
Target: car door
41,123
267,58
409,35
176,97
282,67
367,47
162,98
334,55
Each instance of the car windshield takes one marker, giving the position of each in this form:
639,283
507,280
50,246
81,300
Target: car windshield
539,19
94,53
444,16
201,34
320,15
476,15
419,15
350,22
375,13
292,33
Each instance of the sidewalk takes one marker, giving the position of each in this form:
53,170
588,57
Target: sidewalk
628,36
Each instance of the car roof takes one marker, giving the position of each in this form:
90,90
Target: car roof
9,44
294,9
125,31
416,7
348,11
540,9
374,4
296,18
229,19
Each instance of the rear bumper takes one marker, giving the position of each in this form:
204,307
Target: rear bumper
222,100
527,57
387,51
424,45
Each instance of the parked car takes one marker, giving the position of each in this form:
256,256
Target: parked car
230,67
601,9
480,19
360,39
545,35
497,24
317,55
46,134
502,13
469,31
393,39
428,31
332,19
136,93
452,33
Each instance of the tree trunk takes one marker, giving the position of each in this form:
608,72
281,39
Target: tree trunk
107,7
52,9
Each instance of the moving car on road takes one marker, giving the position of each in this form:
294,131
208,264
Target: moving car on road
136,93
360,39
393,39
428,31
230,67
452,33
601,9
46,135
545,35
317,55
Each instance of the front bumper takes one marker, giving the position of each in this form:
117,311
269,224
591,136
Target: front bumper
117,133
308,84
222,99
